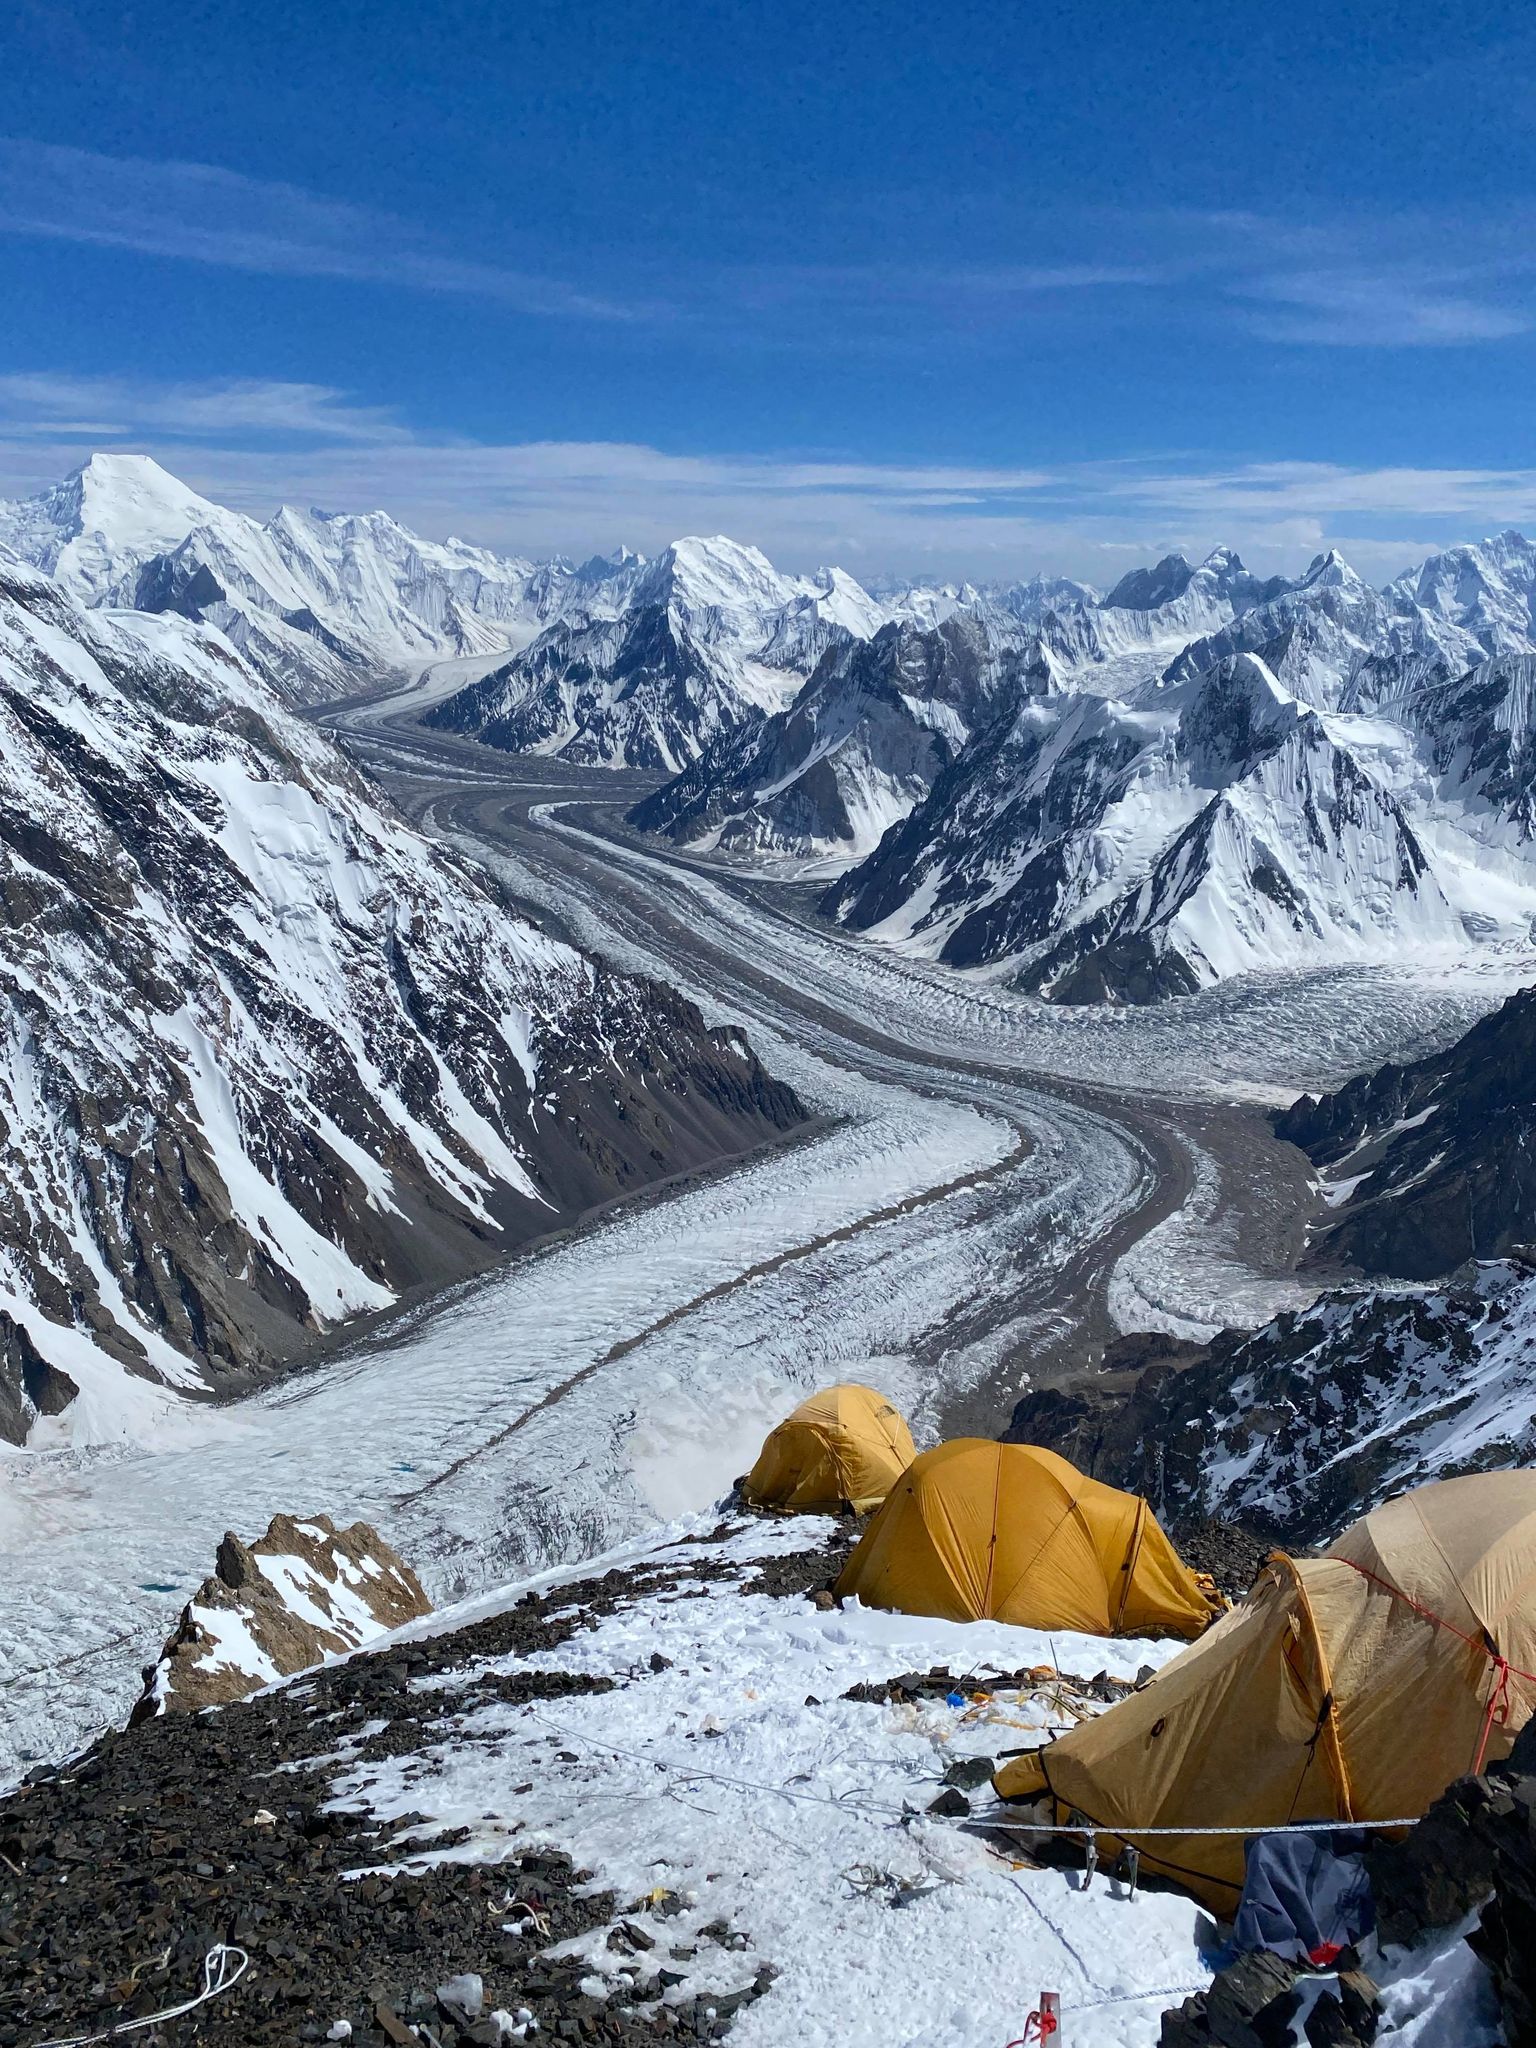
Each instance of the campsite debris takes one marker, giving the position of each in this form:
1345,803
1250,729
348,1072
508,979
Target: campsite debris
942,1684
950,1804
970,1773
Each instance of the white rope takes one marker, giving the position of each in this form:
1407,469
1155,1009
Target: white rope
1120,1830
218,1975
1124,1830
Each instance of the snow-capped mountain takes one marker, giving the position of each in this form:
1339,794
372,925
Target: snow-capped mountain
1487,590
1127,851
269,1057
710,637
1177,617
861,744
319,602
1338,644
1329,773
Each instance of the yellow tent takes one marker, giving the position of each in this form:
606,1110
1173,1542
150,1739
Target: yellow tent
846,1446
1352,1686
977,1530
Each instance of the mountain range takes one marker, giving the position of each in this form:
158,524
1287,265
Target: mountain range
1122,798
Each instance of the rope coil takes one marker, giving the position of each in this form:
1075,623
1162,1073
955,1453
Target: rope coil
223,1966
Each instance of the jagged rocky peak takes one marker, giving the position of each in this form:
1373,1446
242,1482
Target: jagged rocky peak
1220,578
863,741
303,1592
268,1057
1143,590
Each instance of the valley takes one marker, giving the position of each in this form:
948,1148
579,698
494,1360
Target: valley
985,1200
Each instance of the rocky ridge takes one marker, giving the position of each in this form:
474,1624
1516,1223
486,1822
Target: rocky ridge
1428,1165
303,1592
864,740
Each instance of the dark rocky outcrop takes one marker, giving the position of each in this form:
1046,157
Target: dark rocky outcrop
1298,1428
1443,1150
286,1060
303,1592
192,1829
873,728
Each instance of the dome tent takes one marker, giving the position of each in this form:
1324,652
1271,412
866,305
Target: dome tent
844,1447
1354,1686
976,1530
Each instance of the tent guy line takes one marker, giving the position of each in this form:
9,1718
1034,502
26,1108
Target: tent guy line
901,1814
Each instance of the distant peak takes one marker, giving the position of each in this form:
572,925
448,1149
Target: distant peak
1329,568
1143,590
135,476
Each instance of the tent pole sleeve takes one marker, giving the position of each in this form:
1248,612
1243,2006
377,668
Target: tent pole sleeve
1332,1747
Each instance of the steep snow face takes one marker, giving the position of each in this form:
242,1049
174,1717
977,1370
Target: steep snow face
1487,591
861,744
267,1057
315,600
1212,826
94,530
640,690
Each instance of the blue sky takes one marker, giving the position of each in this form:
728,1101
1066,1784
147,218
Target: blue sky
948,289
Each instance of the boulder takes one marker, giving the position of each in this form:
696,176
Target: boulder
303,1592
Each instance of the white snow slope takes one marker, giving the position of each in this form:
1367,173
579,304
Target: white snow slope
741,1781
319,601
1213,823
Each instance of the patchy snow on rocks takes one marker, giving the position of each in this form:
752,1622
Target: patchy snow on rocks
268,1058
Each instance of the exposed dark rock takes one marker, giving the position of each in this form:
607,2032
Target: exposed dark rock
1459,1182
851,728
1296,1430
1250,2004
241,1625
194,1829
137,885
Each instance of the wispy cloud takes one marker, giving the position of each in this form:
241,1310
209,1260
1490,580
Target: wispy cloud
1349,279
47,402
1371,309
205,214
255,445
